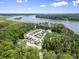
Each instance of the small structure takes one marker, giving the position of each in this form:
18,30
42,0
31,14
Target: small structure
34,38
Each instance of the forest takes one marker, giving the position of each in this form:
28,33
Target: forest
70,17
10,33
61,43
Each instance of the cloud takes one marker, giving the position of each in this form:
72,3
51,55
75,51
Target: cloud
43,5
21,1
62,3
75,2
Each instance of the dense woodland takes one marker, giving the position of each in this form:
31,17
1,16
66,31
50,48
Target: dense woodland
60,43
70,17
10,33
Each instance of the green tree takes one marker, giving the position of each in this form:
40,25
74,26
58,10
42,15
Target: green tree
67,56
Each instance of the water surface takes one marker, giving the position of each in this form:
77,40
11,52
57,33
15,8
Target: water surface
73,25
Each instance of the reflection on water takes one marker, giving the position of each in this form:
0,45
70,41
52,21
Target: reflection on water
73,25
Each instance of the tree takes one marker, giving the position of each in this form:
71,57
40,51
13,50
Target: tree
49,55
67,56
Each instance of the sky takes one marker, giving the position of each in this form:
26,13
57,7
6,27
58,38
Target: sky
39,6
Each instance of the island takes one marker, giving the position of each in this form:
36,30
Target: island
18,18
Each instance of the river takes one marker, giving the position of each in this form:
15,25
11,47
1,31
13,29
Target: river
73,25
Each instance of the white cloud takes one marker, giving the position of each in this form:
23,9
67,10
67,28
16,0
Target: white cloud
75,2
43,5
21,1
62,3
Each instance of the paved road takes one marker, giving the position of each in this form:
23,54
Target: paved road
41,53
